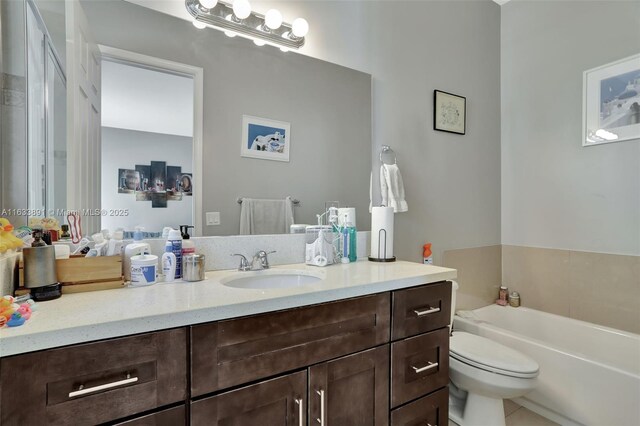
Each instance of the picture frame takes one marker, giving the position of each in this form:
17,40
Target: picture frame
449,112
265,139
611,102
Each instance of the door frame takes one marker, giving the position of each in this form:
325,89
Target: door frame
197,73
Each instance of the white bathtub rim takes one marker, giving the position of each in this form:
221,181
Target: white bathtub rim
563,318
503,332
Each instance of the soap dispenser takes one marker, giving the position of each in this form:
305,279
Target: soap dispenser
188,246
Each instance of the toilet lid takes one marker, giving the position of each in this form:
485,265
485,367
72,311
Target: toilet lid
491,356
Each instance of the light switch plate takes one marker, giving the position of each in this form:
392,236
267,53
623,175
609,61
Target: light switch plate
213,218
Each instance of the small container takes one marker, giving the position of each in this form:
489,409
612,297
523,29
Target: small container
193,267
144,269
503,294
514,299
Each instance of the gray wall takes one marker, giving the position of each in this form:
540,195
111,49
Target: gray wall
328,106
555,193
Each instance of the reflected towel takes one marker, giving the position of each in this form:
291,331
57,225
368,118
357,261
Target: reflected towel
392,188
266,216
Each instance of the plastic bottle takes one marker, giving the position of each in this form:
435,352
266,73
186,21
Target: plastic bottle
427,255
344,236
168,262
137,234
353,239
175,238
188,246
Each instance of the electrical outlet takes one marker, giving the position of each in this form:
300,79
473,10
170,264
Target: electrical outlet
213,218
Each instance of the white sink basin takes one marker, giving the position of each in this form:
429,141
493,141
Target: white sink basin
272,279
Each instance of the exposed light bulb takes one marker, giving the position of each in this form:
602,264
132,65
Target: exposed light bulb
258,42
230,34
300,27
284,49
208,4
273,19
241,8
199,25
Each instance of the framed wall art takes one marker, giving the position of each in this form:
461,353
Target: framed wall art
265,139
449,112
611,102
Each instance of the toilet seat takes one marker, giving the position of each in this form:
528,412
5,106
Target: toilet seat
491,356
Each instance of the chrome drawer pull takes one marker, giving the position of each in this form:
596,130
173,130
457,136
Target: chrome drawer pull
427,311
82,391
300,412
321,419
429,366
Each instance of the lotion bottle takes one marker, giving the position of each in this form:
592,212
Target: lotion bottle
168,262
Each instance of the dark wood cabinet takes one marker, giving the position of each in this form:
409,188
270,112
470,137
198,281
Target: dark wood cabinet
432,410
233,352
353,390
419,365
95,382
176,416
366,361
421,309
276,402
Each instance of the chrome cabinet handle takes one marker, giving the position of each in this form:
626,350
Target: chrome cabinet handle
427,311
429,366
321,419
300,412
82,391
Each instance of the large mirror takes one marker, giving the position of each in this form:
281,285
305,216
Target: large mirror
169,125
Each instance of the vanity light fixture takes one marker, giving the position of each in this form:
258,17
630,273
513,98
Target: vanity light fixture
237,18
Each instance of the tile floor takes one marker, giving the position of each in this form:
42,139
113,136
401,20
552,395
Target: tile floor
515,415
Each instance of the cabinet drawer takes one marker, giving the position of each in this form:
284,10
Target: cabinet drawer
229,353
432,410
421,309
95,382
280,401
419,365
172,417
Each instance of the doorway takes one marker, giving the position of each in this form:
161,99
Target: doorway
151,150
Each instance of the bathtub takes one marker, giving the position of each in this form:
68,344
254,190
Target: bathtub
589,374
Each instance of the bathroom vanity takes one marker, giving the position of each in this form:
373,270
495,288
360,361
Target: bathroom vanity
366,345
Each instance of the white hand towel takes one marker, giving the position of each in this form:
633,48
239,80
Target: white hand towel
259,217
392,188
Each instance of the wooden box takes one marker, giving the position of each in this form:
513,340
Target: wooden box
81,273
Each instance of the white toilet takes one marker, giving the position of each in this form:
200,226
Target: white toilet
483,373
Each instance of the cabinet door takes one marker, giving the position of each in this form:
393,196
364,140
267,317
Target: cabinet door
353,390
276,402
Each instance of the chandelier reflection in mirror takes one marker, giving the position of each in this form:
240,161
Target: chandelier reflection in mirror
237,18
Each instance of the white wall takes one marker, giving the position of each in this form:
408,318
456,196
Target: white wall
555,193
141,148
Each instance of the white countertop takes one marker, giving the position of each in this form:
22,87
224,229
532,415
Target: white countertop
84,317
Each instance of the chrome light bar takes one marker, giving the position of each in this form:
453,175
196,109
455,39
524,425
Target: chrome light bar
254,27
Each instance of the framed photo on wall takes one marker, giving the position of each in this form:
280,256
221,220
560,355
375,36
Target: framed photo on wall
265,139
611,102
449,112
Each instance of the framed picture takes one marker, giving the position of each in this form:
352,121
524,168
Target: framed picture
265,139
611,102
449,112
128,181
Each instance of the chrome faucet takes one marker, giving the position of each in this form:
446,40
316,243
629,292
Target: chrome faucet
259,262
260,259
